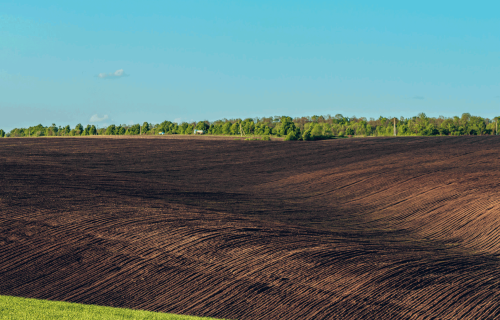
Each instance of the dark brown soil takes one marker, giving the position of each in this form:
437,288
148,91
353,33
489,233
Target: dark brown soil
394,228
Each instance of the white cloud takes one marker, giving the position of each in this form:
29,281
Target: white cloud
96,118
116,74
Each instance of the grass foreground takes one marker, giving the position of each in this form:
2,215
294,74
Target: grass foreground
26,308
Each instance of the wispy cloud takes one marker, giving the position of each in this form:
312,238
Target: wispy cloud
418,98
96,118
117,74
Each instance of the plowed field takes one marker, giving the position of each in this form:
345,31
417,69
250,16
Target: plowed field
389,228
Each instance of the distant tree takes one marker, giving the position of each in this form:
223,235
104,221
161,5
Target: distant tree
120,130
133,130
317,131
15,133
287,128
226,128
52,130
37,130
2,133
110,130
235,128
496,124
443,131
183,128
465,117
476,126
145,128
66,130
248,126
430,130
307,135
86,131
202,125
368,129
305,128
292,136
215,128
166,127
78,129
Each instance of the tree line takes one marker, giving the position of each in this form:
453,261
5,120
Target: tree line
300,128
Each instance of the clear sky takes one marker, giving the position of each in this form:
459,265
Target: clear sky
106,62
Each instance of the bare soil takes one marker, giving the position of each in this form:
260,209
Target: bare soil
380,228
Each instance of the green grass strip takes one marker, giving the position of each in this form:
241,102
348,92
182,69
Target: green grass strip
25,308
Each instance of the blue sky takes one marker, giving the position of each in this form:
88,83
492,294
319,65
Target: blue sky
106,62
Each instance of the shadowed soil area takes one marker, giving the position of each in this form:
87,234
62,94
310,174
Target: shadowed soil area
381,228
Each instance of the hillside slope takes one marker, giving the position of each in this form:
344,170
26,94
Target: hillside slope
355,228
